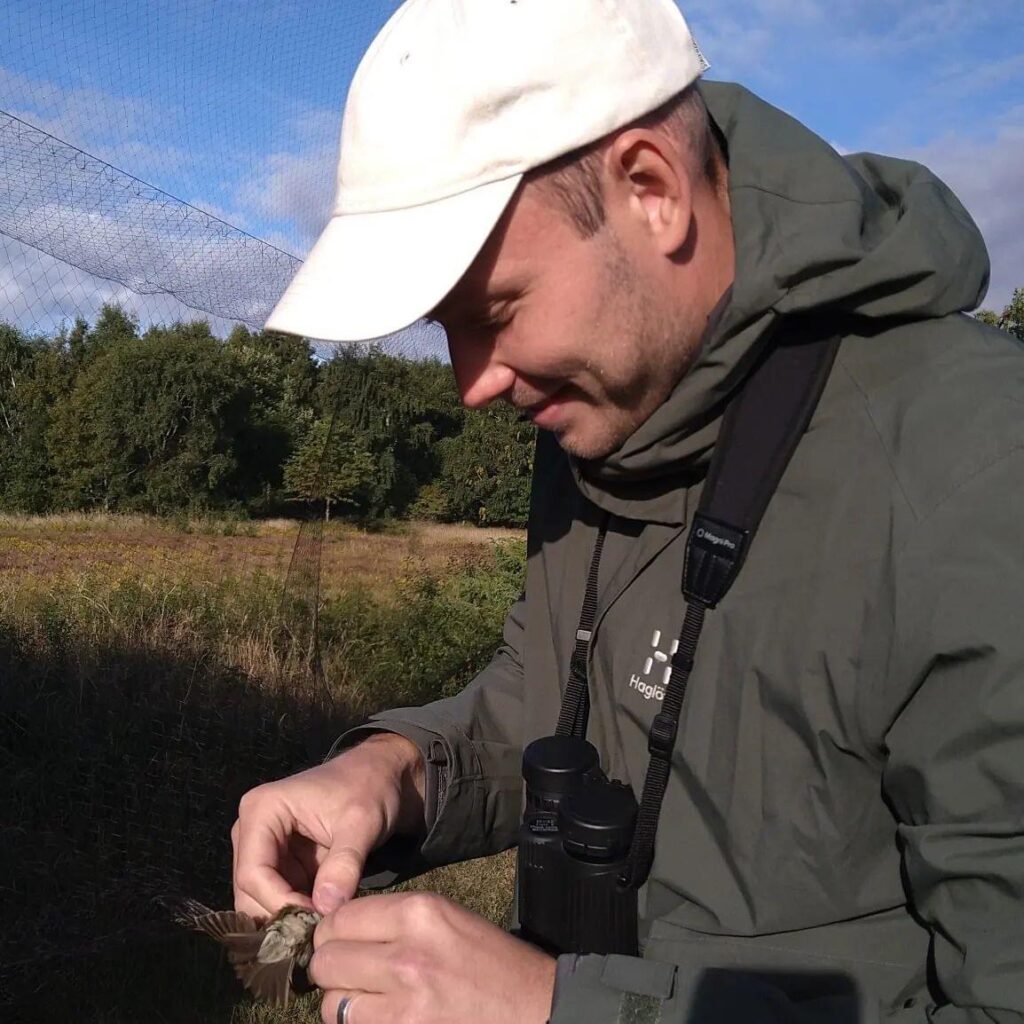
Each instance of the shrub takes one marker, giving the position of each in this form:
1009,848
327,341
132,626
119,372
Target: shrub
439,631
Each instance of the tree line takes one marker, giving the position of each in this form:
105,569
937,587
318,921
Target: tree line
172,420
175,420
1011,319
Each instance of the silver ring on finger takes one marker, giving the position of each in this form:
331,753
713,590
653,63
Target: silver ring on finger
344,1007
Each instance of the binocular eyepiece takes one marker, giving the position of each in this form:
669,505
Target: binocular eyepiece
574,845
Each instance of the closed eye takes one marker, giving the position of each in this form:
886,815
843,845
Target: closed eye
490,323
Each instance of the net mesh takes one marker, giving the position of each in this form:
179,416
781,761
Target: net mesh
173,158
81,211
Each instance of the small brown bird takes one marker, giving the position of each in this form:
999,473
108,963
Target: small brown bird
264,953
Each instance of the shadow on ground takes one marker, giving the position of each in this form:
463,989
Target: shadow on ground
120,775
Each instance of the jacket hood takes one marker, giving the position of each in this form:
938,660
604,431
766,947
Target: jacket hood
863,238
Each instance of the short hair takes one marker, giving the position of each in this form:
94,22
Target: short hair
574,180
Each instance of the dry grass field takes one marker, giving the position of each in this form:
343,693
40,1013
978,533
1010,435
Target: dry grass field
152,671
42,547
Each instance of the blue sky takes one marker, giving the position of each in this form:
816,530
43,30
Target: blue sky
234,106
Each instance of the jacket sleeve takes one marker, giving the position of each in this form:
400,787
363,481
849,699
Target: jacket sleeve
955,772
472,747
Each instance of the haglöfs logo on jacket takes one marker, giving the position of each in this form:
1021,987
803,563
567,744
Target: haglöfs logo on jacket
652,681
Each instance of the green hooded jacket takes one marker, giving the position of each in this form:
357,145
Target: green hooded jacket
842,838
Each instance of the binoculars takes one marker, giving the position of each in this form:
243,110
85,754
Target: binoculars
574,846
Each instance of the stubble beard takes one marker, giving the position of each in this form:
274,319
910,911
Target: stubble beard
663,342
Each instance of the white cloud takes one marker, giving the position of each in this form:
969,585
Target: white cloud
880,27
152,249
91,217
91,234
750,39
294,186
986,176
128,131
734,43
40,294
116,241
963,77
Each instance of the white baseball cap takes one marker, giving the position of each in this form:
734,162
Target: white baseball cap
454,101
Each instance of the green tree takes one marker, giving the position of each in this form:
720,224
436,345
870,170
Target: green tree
332,465
487,468
15,355
113,328
101,417
401,409
1012,317
152,424
282,375
33,379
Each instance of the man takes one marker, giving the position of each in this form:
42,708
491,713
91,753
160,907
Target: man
609,247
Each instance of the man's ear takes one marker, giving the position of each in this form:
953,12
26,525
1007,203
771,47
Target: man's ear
649,185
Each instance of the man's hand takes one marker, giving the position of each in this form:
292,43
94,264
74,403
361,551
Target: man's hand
312,832
420,957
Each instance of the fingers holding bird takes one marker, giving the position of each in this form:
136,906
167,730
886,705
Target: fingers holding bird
274,862
385,917
350,966
370,947
419,956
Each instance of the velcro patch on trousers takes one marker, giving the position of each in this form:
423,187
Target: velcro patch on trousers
644,977
637,1009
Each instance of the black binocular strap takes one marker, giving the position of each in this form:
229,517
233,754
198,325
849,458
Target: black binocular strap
761,429
575,710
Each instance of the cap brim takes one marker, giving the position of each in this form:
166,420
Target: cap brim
371,274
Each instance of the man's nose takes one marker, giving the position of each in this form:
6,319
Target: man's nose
480,375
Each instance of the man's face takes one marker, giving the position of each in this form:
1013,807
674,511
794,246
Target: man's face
570,331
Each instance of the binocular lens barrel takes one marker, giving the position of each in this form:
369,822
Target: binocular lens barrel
554,767
573,846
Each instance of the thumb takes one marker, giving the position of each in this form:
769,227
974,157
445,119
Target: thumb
337,878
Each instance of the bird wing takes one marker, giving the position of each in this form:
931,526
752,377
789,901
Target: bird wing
271,982
239,933
242,936
193,914
222,923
